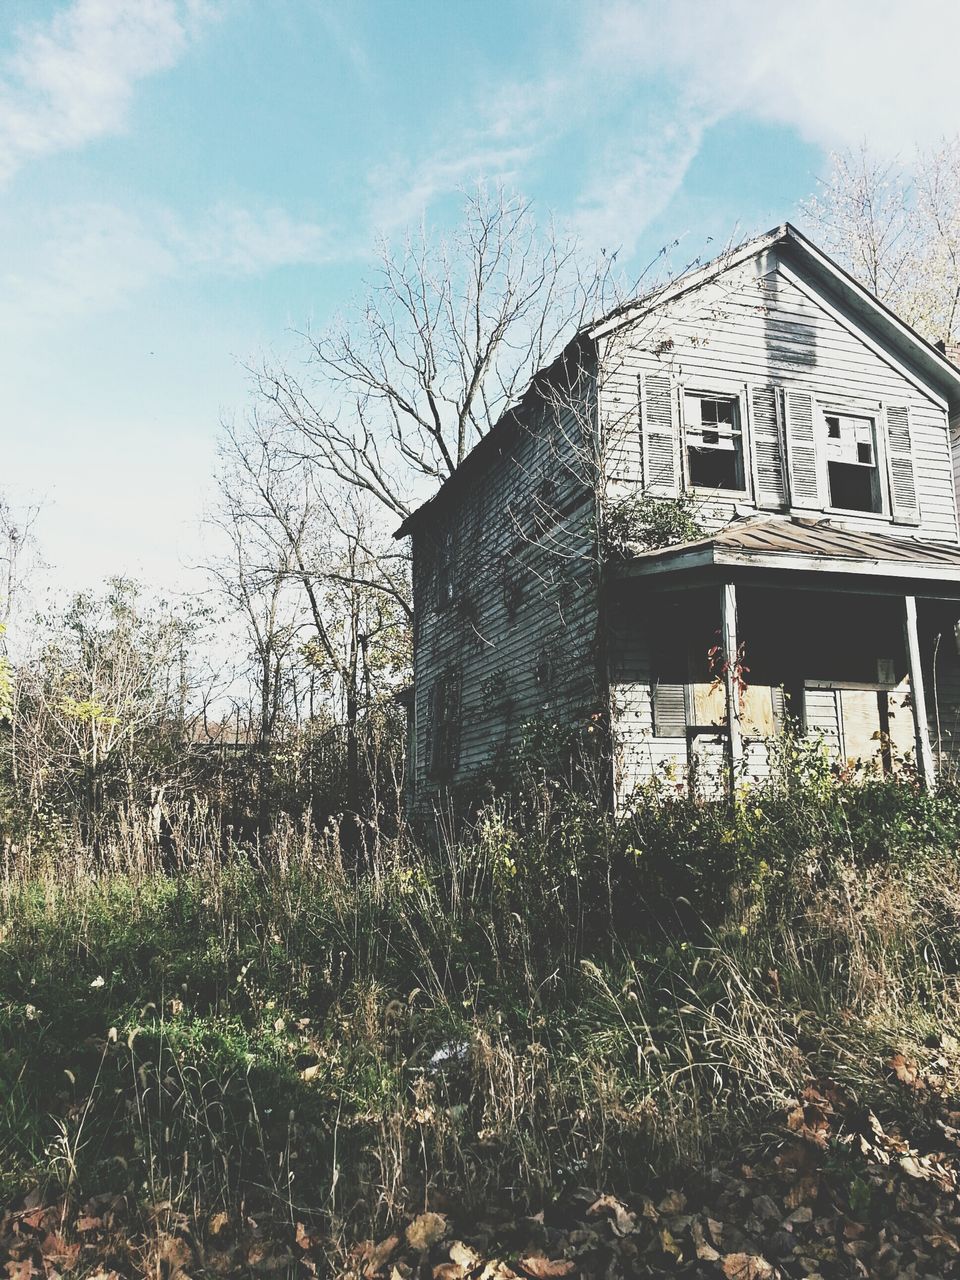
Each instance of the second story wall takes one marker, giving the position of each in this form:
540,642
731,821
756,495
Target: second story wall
505,594
756,392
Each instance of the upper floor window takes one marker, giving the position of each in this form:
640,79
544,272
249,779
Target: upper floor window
852,473
713,437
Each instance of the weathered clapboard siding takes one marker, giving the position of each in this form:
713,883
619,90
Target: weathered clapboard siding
758,327
522,627
955,454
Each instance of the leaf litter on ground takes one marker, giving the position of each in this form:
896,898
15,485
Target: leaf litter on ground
835,1194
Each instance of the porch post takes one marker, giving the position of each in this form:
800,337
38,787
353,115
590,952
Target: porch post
921,730
728,632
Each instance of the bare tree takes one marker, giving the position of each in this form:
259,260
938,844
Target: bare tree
253,575
896,227
320,588
18,554
447,337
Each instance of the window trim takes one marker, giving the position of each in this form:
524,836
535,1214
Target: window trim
873,410
737,396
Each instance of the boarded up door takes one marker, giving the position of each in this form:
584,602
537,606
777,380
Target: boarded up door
860,714
877,726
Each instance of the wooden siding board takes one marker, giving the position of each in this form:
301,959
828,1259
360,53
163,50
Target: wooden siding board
495,646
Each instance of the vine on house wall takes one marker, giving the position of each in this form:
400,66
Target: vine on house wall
648,524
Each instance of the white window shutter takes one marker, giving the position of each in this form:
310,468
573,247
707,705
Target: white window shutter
802,469
904,505
669,710
661,437
766,449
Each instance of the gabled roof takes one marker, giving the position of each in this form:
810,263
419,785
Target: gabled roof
930,363
792,542
926,358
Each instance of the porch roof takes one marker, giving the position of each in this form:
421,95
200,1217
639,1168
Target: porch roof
802,545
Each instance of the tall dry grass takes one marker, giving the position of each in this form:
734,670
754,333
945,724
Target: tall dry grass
548,1000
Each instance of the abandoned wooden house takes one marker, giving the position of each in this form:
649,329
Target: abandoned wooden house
728,506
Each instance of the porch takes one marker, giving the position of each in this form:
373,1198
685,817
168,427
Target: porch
717,645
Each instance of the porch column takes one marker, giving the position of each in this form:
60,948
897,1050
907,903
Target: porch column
921,731
728,632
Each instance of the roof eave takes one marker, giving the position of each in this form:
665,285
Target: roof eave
654,565
485,448
692,280
925,355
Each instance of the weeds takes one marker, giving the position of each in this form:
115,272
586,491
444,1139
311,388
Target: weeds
548,1001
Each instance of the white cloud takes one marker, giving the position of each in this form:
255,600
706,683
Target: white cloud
512,128
648,80
94,257
236,241
876,69
71,79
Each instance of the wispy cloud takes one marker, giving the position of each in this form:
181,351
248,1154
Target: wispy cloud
632,182
649,80
514,128
95,257
347,43
71,79
401,192
238,241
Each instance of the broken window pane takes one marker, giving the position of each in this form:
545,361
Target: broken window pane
852,463
714,443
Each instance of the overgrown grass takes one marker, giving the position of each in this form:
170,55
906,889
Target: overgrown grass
552,1000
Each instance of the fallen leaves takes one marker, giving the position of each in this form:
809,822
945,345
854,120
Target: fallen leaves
425,1230
838,1194
378,1255
623,1221
746,1266
907,1072
541,1268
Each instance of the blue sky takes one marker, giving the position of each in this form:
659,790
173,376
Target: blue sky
186,183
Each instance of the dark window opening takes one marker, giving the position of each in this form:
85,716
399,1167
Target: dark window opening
714,443
852,463
444,572
713,469
445,724
852,487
